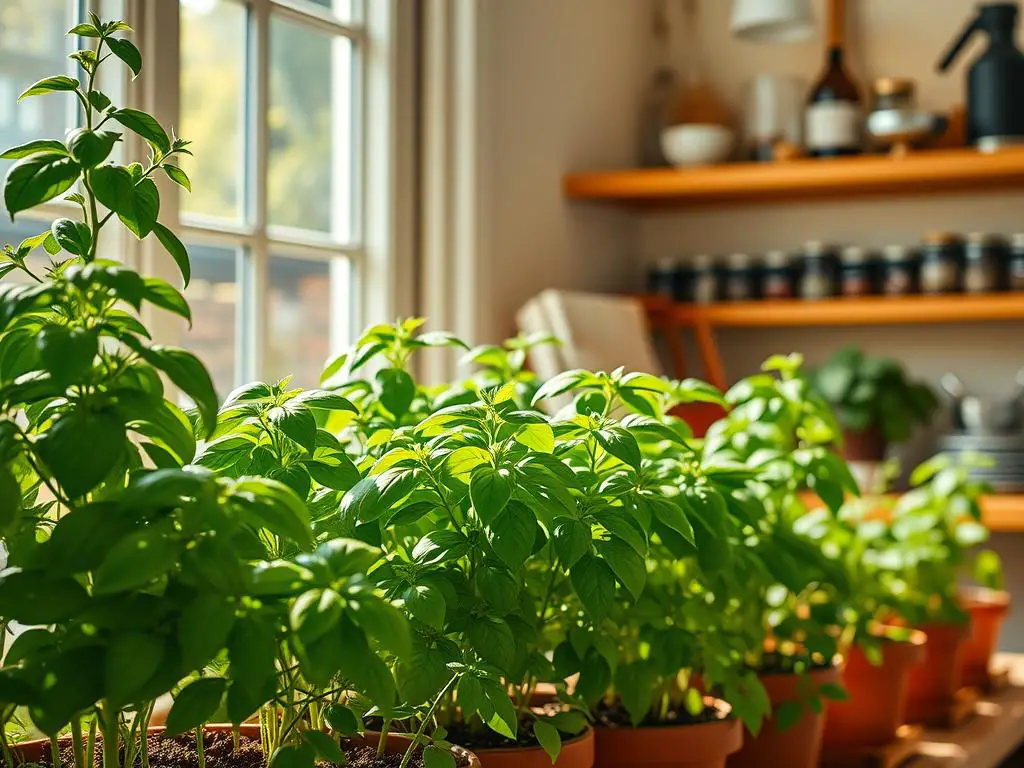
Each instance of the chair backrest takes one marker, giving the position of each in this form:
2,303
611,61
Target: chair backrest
598,332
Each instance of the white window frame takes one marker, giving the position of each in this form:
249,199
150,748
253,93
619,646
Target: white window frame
381,258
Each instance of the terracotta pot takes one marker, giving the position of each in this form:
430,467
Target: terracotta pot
877,706
934,684
988,609
576,753
798,746
864,445
396,743
700,416
706,745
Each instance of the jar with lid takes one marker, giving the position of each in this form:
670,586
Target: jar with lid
662,277
818,280
855,272
898,271
1015,264
705,279
984,261
941,263
893,93
778,276
739,278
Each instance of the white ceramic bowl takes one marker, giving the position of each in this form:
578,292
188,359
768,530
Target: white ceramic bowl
697,144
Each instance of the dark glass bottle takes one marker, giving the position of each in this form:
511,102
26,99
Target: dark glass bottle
835,118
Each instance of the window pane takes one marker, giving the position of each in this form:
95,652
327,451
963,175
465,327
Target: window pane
213,294
309,183
14,233
33,46
213,44
344,10
307,305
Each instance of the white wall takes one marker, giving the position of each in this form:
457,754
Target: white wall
561,83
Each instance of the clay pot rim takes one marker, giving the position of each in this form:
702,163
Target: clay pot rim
916,638
588,733
984,599
723,710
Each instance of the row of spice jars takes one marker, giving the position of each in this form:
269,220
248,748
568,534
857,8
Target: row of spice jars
944,263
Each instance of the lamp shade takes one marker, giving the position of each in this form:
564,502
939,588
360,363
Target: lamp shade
772,21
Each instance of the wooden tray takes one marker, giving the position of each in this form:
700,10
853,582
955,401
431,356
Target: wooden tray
893,755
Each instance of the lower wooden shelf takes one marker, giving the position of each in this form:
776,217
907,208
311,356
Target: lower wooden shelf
870,310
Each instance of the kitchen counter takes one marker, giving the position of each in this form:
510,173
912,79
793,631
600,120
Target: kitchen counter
991,736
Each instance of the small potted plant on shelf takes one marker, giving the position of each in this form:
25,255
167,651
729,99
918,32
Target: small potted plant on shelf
876,404
782,428
128,577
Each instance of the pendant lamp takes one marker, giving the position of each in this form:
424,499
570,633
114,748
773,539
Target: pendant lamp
772,21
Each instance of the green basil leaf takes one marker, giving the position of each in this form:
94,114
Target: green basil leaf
628,566
145,125
50,85
126,51
132,660
73,236
490,490
571,540
37,179
81,449
90,148
48,146
178,176
204,628
512,535
66,353
136,560
549,738
195,705
594,583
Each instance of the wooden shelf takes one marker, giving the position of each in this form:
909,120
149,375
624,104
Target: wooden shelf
871,311
925,172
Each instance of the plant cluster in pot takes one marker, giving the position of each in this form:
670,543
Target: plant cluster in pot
877,659
926,548
876,404
781,427
130,575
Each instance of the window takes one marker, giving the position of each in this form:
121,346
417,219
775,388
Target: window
271,96
275,96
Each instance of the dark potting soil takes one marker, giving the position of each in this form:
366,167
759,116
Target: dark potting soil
614,715
180,752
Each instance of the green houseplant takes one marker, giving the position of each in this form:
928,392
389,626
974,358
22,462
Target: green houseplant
779,426
934,529
874,400
127,576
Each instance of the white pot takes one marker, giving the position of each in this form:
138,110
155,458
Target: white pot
697,144
772,21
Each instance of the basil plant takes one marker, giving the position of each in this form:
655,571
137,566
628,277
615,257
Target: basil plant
131,572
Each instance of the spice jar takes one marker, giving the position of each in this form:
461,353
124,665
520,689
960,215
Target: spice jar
984,259
855,272
705,280
899,271
941,263
662,277
818,280
778,276
739,278
1015,264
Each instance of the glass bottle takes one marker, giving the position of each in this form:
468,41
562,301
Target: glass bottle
834,118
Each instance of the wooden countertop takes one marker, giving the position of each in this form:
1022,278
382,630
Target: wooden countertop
991,736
